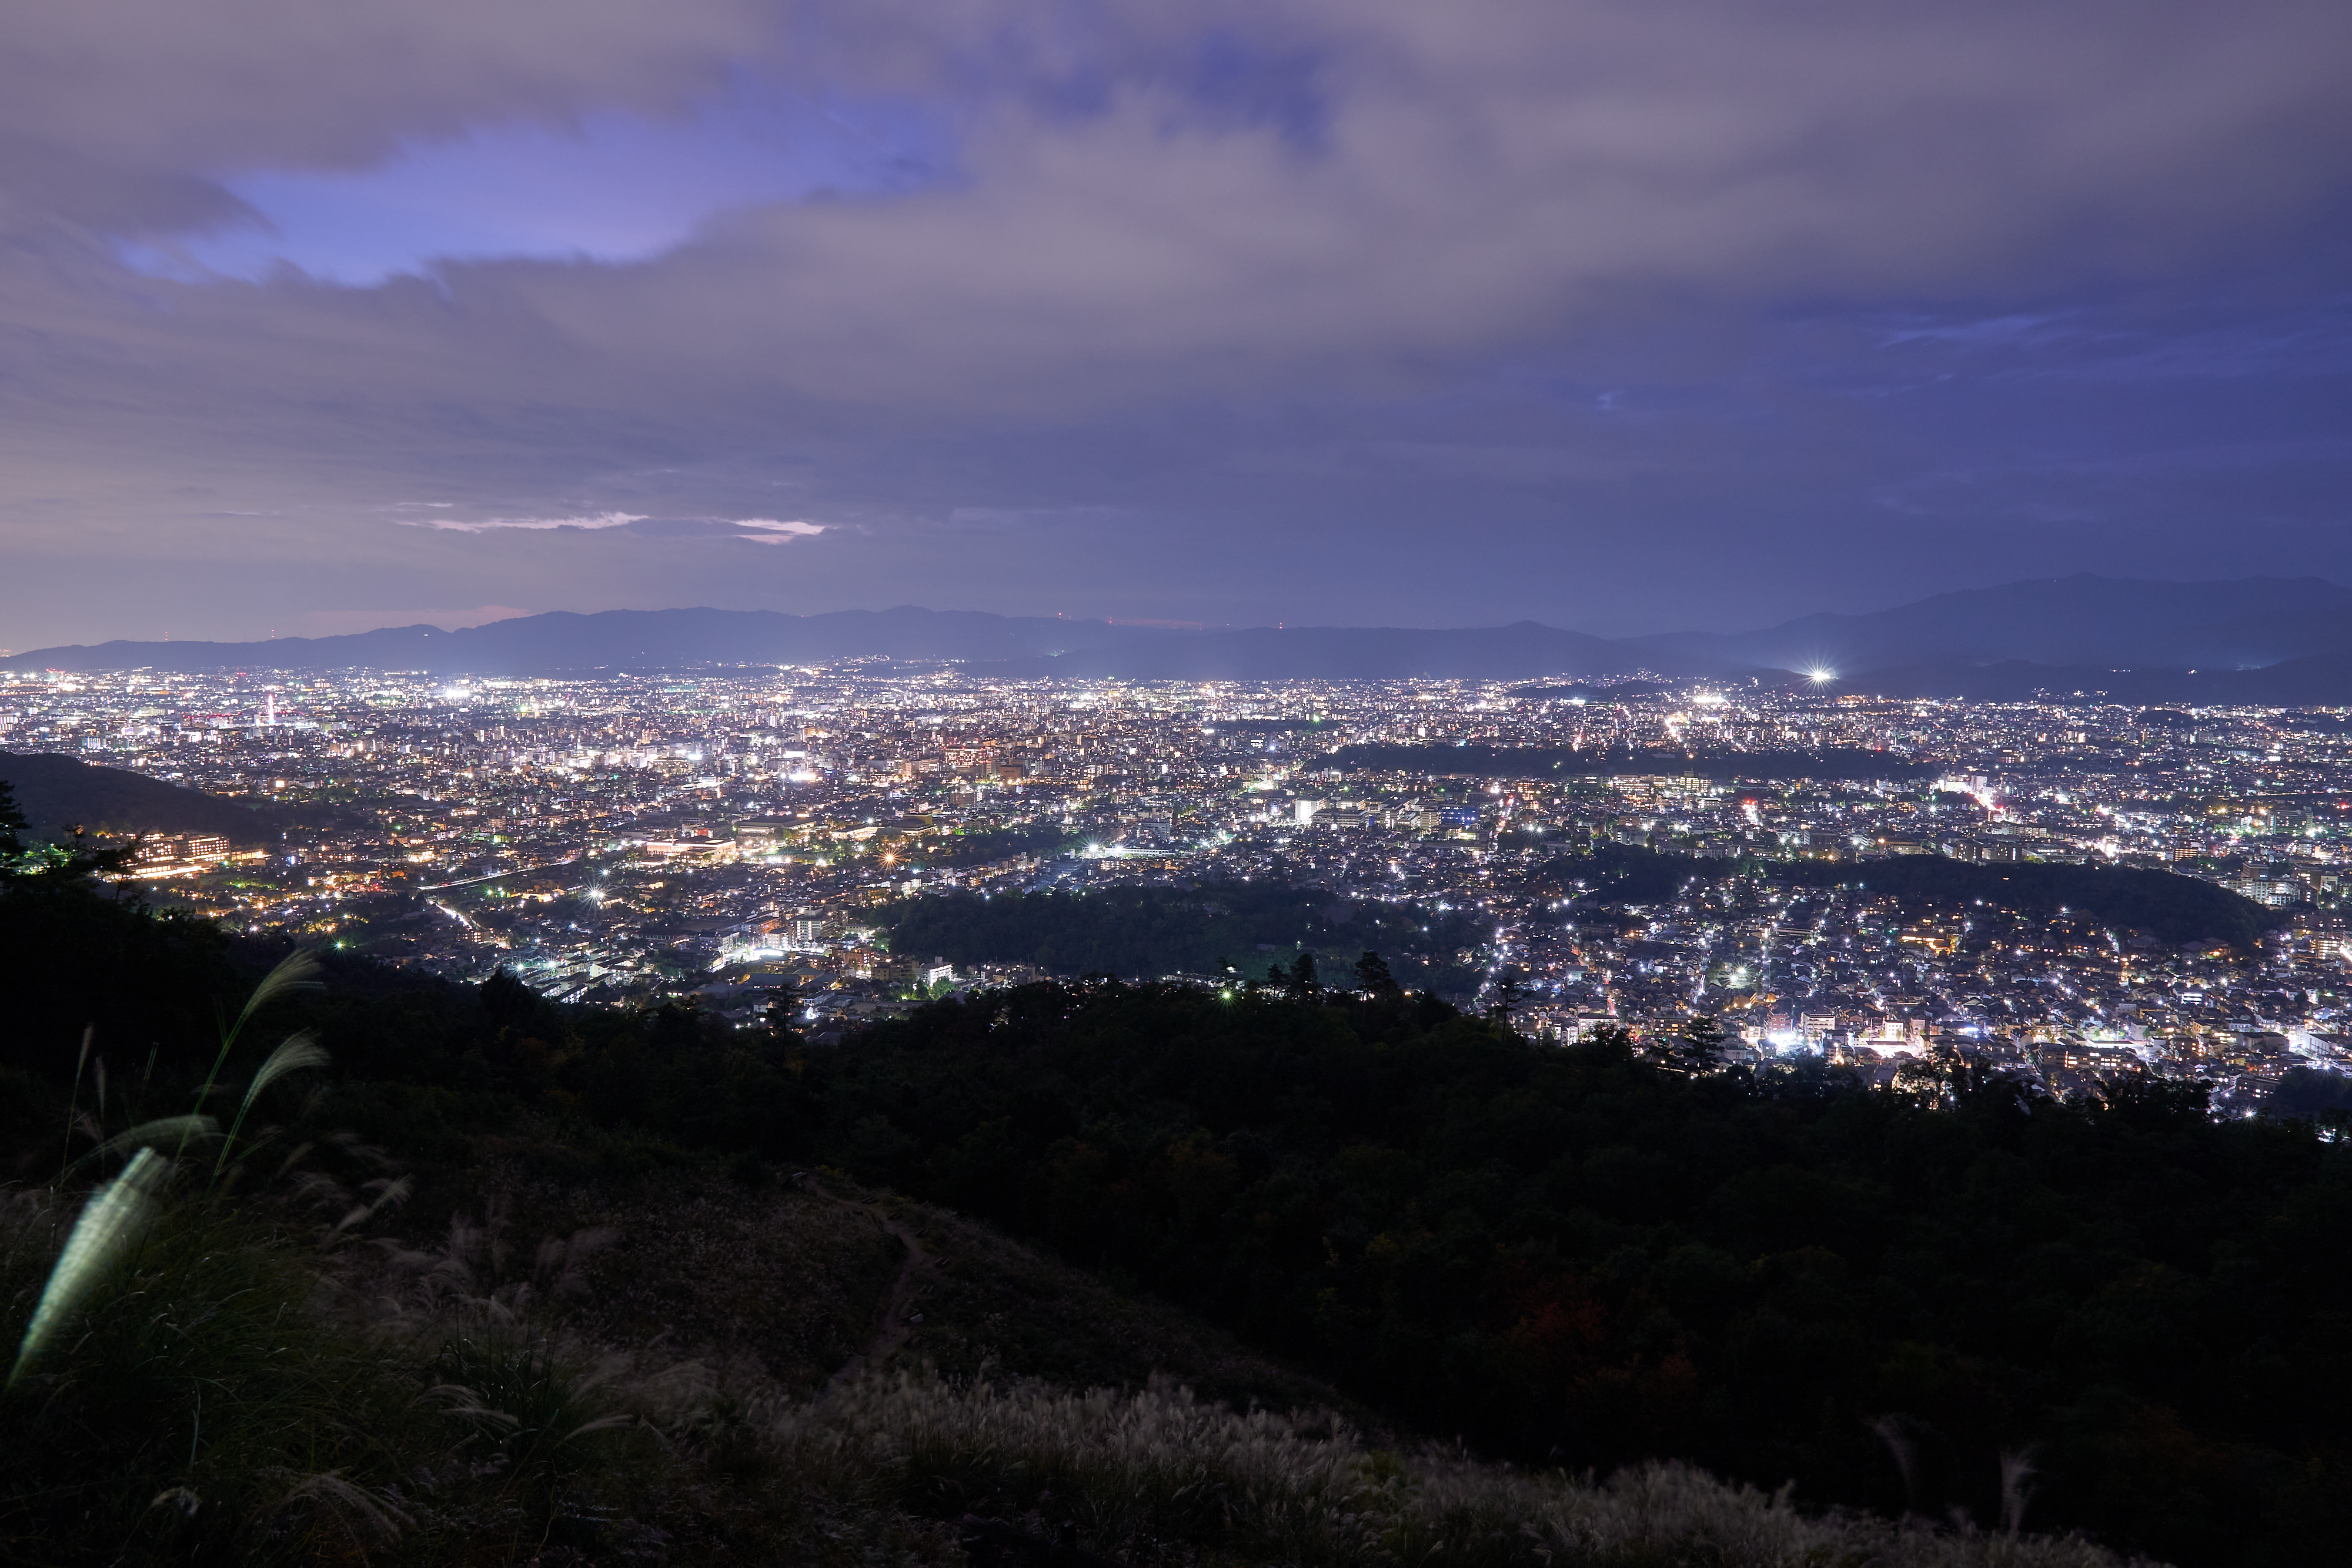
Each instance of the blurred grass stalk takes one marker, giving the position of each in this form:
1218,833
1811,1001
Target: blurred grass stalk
119,1213
103,1238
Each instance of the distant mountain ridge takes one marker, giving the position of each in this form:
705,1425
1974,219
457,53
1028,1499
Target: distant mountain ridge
2099,621
2251,640
1518,652
564,640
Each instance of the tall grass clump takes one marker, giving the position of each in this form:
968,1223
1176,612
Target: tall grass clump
1160,1476
192,1380
224,1397
192,1395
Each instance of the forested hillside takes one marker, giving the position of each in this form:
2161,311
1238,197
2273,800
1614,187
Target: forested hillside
2173,908
1575,1257
1241,927
57,793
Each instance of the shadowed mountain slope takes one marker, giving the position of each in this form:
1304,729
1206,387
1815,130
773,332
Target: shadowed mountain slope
59,793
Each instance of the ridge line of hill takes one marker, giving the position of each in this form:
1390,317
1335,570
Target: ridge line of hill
2254,640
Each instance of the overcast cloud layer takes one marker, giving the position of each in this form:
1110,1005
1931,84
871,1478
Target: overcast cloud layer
1622,316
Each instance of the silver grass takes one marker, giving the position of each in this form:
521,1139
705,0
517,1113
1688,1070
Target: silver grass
1307,1490
294,972
364,1513
184,1129
390,1194
603,1424
298,1050
2017,1474
73,1102
560,1266
320,1189
297,971
106,1232
460,1403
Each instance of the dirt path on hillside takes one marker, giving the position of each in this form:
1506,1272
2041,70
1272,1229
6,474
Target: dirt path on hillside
894,1330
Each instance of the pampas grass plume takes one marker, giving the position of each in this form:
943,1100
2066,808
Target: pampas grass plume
106,1232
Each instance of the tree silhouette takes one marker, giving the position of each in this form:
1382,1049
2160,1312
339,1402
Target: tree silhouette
69,863
1698,1046
1509,994
1373,976
12,823
782,1016
505,1002
1303,983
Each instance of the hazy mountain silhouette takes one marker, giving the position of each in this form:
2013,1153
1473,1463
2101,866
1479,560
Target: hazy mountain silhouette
2101,621
1516,651
2320,680
2256,639
614,638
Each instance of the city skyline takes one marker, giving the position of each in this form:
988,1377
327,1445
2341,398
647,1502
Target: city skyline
1823,874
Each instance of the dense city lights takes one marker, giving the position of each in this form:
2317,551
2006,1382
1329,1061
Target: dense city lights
722,831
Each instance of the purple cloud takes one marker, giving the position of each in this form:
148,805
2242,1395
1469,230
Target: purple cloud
1583,280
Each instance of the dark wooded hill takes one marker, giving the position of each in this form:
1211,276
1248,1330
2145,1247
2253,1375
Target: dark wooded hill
59,793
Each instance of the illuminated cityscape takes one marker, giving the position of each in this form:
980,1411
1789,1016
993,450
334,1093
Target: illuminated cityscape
723,832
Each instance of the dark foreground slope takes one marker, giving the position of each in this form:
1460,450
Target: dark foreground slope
1571,1255
606,1335
1572,1258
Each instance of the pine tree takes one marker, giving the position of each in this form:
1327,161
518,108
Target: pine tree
783,1013
1699,1045
1303,983
1508,993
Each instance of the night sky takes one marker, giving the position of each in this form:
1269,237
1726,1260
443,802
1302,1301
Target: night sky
1631,316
